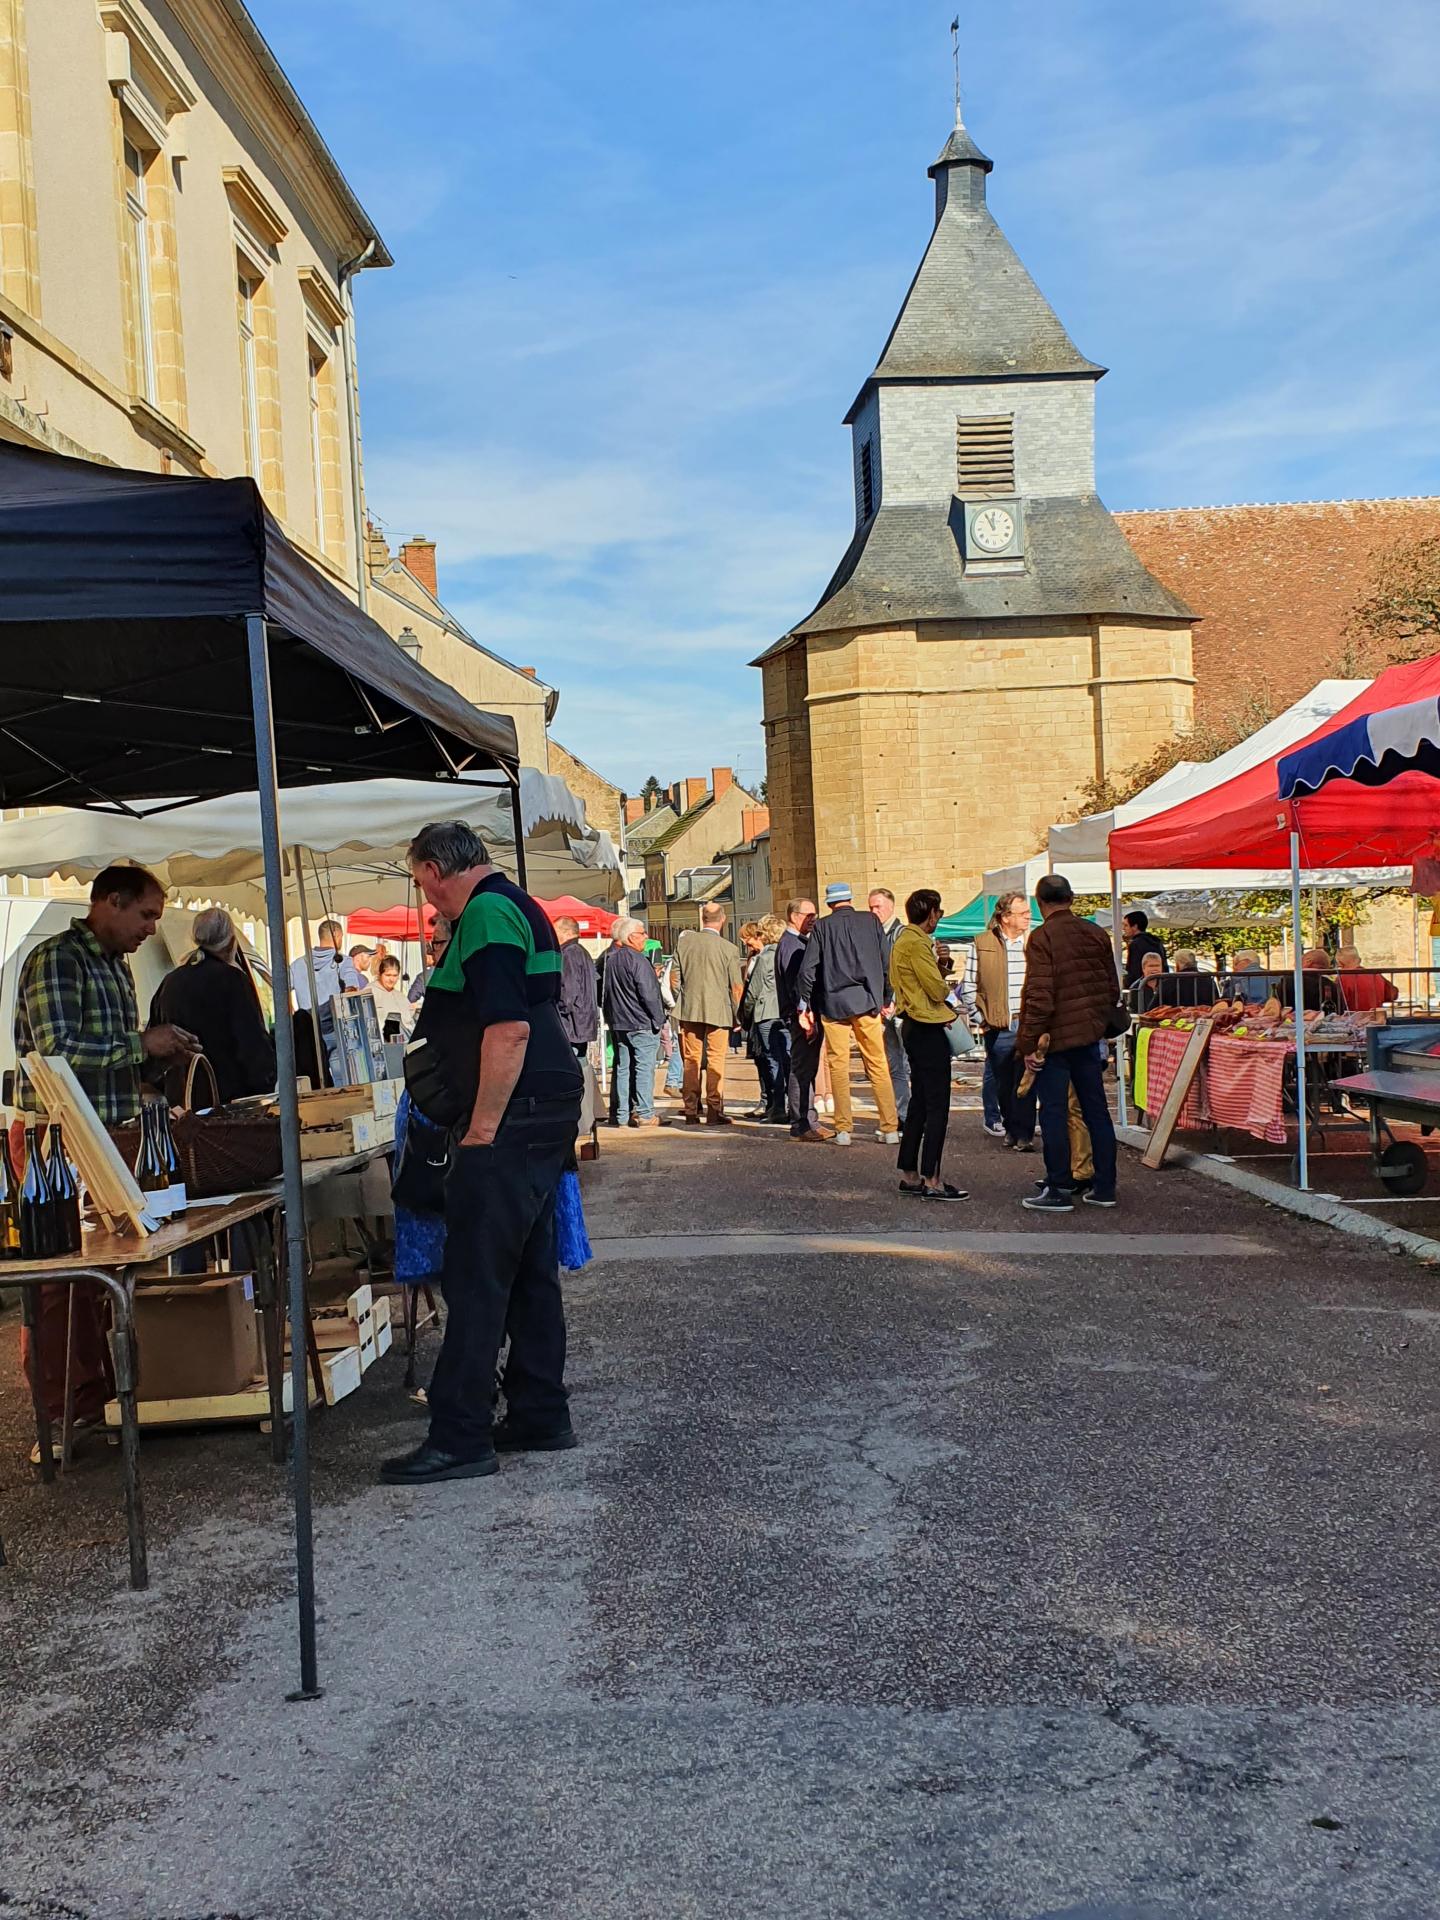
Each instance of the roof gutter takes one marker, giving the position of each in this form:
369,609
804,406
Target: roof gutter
238,15
348,271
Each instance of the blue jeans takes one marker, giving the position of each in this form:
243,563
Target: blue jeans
771,1048
989,1092
1085,1068
675,1070
1005,1067
635,1056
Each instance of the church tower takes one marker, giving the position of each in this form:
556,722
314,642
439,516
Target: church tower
989,642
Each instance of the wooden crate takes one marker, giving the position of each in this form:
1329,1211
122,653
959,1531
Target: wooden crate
357,1133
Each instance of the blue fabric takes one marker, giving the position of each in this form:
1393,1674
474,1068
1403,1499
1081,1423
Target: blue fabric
571,1240
419,1237
1372,750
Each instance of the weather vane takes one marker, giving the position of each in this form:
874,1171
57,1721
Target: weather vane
955,51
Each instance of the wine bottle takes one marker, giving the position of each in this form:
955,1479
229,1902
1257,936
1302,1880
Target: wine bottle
152,1176
10,1205
170,1159
37,1208
65,1193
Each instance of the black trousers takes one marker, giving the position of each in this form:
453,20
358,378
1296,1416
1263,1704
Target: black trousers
501,1276
922,1140
800,1081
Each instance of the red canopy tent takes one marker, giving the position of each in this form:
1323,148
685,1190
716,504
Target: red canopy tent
1244,825
388,923
594,922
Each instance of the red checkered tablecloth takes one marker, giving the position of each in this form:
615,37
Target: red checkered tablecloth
1240,1083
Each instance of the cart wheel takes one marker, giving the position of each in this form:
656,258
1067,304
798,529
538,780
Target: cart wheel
1403,1168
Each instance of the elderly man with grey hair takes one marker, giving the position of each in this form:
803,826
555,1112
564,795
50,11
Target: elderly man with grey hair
634,1013
212,994
490,1063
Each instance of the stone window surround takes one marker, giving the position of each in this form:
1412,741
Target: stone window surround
258,358
19,242
151,98
327,476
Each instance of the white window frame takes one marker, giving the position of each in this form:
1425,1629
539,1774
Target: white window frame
137,211
251,270
317,359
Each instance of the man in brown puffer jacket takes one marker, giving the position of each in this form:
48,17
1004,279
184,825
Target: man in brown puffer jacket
1071,989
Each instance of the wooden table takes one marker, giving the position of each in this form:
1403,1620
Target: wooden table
113,1261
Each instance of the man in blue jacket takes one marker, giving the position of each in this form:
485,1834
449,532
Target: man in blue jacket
634,1013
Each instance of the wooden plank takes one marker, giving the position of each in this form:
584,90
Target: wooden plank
111,1184
1168,1117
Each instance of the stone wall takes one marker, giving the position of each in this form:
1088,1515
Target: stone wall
928,754
601,796
1054,437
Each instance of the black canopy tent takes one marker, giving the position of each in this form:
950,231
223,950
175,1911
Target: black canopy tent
162,641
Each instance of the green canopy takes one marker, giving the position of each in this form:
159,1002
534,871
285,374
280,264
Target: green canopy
974,918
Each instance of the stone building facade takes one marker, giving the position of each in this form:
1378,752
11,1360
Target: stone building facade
990,641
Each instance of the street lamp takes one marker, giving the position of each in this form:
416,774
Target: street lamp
409,642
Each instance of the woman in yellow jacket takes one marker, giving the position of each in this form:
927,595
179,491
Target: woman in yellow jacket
922,1000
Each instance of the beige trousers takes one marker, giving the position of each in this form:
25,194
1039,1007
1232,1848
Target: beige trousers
868,1031
703,1049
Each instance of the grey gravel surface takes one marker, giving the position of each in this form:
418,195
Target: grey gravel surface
910,1580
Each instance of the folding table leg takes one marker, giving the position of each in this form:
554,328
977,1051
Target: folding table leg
31,1321
122,1349
67,1426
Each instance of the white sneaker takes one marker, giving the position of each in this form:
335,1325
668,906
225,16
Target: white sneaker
827,1105
842,1139
997,1131
888,1139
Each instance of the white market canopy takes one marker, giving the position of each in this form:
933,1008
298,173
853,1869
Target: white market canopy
355,834
1080,849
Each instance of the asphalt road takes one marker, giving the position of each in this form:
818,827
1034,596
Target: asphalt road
908,1567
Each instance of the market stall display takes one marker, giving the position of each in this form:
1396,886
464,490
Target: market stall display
164,643
1377,774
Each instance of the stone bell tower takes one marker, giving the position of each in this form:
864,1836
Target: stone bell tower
990,641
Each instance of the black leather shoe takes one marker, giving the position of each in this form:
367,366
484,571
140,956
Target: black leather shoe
512,1439
428,1463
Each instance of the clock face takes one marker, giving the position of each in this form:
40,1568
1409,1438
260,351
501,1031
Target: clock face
992,529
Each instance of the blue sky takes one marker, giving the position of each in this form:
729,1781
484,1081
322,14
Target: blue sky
647,252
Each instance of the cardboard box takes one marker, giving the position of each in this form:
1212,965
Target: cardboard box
196,1338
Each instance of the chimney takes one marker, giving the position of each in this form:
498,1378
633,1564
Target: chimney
377,553
721,780
634,809
693,792
417,556
753,822
529,672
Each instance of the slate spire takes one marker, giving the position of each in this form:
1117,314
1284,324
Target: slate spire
972,311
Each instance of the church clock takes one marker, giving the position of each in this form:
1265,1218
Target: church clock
993,530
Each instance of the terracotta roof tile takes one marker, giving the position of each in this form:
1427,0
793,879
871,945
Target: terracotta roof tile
1272,585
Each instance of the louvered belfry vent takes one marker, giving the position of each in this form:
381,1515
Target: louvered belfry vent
985,456
867,480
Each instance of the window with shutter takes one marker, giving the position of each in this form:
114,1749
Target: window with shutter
867,480
985,456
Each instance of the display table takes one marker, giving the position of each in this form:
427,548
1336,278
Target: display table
1241,1083
114,1261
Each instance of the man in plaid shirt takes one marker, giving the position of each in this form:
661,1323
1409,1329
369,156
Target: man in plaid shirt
76,998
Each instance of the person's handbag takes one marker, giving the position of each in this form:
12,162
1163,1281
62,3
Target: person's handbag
961,1039
422,1158
220,1149
1117,1022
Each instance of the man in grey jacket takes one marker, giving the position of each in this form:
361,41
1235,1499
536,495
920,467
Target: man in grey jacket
708,983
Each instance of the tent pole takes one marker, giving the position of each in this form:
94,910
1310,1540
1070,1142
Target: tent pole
1301,1105
1119,939
294,1192
297,854
519,834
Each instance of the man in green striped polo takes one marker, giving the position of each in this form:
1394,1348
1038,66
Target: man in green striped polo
489,1060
